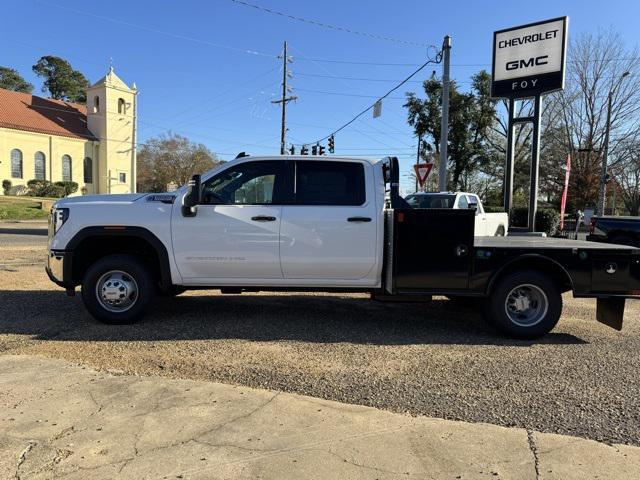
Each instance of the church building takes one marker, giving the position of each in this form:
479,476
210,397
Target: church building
93,145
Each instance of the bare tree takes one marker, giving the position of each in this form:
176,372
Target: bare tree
626,175
596,68
171,158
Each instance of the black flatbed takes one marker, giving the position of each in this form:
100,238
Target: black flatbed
544,243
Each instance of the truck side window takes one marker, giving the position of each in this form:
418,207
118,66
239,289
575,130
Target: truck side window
462,202
250,183
474,198
329,183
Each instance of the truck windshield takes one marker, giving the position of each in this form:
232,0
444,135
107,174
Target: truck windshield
431,200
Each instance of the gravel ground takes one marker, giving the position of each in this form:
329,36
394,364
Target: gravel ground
434,359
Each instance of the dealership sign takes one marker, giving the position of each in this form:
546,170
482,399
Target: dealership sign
529,60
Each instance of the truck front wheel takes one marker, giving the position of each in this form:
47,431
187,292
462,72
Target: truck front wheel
117,289
524,304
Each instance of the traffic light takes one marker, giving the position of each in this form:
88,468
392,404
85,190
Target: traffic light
304,150
321,150
332,144
314,150
292,150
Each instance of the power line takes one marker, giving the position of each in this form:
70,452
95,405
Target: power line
349,62
329,26
158,31
438,59
364,79
344,94
353,78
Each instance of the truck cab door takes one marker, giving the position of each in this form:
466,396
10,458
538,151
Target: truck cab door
330,233
236,231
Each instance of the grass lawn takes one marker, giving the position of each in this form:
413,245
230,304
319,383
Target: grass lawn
21,208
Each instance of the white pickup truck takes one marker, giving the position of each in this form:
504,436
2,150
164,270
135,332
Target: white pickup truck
487,224
320,224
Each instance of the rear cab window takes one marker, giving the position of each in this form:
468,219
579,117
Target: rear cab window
329,183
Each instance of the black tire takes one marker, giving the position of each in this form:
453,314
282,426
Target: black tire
541,289
500,231
625,240
134,272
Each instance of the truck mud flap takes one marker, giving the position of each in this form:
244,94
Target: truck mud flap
610,311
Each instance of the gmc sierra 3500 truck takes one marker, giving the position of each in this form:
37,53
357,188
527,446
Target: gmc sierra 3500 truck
320,224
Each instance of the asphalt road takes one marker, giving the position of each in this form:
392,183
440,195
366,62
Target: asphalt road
434,359
17,235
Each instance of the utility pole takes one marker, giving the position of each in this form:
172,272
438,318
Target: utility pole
444,124
284,100
605,153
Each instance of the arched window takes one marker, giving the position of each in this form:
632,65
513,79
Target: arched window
66,168
16,163
122,106
96,104
88,170
40,166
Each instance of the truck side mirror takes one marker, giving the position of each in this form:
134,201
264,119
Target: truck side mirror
191,200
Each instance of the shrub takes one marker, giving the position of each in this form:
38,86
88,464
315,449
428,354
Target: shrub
19,190
69,187
44,188
51,190
6,186
547,219
36,186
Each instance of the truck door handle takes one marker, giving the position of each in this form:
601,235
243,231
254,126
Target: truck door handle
358,219
462,250
263,218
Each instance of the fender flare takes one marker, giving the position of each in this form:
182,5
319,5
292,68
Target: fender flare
525,257
128,231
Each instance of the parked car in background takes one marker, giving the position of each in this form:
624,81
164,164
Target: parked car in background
618,230
486,225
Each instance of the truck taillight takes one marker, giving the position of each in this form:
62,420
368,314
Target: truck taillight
592,225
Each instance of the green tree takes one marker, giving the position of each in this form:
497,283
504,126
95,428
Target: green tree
10,79
471,115
171,158
61,80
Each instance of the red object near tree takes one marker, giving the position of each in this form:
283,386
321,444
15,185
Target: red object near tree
563,203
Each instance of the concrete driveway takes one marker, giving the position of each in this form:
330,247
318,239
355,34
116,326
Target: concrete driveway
65,421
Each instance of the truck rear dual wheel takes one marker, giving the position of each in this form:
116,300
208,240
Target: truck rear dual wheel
117,289
524,305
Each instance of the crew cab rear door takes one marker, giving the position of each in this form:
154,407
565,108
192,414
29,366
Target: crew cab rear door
330,232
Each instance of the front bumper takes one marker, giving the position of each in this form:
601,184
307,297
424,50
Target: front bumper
58,268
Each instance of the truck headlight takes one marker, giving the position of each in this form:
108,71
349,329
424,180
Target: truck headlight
58,218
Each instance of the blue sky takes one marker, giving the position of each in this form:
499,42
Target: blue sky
207,69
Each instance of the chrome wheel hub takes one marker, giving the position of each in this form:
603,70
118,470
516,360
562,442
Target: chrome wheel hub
117,291
526,305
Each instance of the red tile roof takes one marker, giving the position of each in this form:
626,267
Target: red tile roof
23,111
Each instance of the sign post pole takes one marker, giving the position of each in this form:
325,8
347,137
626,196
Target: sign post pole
535,164
508,171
